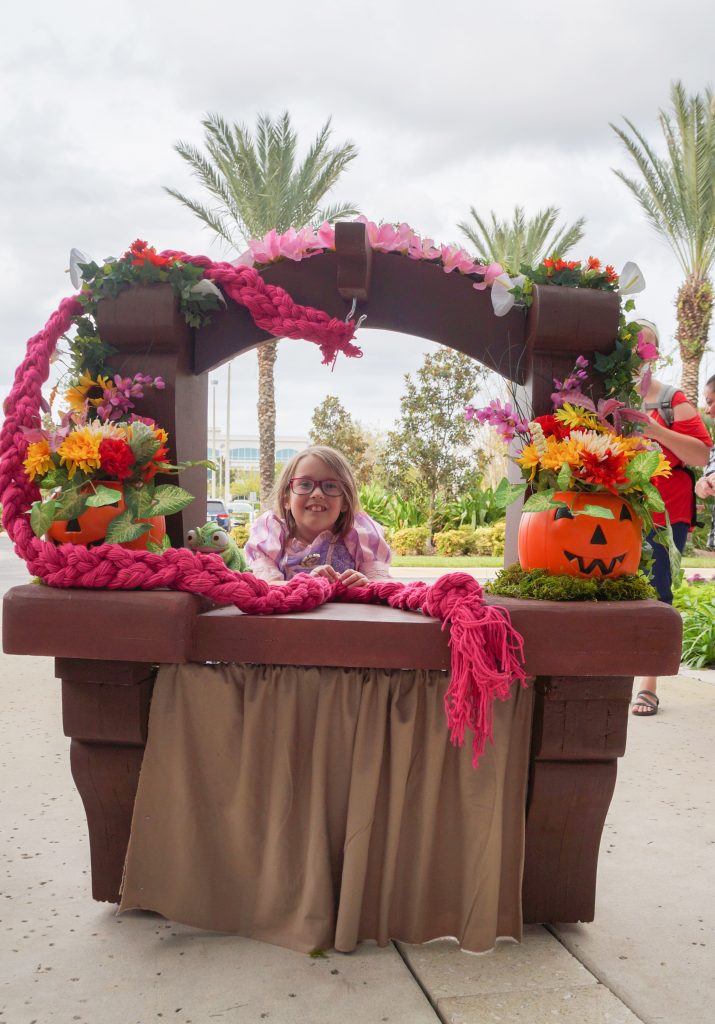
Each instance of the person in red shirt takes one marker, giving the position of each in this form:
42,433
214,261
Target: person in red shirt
685,442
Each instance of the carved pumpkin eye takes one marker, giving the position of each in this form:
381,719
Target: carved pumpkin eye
563,513
625,513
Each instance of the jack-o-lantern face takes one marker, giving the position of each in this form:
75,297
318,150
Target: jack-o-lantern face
582,545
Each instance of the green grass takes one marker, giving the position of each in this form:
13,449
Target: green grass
489,561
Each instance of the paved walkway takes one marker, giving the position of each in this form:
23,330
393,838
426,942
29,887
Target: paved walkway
647,957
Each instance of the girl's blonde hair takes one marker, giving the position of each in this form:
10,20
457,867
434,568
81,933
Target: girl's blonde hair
341,471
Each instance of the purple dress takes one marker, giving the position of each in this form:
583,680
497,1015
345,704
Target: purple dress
273,555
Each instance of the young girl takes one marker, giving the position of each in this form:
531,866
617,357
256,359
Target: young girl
316,526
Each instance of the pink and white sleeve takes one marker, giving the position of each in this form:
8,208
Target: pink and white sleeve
372,552
264,547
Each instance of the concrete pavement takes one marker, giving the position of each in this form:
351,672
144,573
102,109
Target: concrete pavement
647,957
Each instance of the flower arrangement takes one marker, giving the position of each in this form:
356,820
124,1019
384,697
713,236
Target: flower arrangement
517,289
83,463
582,446
100,454
142,265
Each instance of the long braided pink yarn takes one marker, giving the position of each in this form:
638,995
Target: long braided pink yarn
487,652
274,310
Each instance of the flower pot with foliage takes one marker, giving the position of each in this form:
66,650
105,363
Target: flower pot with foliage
590,471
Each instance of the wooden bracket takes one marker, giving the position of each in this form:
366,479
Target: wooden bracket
354,260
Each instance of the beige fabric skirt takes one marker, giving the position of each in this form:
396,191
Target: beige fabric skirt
316,807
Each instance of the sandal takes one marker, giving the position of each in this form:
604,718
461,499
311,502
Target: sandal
648,700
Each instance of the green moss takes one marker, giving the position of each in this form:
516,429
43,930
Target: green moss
541,586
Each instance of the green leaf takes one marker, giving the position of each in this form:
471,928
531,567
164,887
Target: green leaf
70,504
144,443
653,495
104,496
642,467
540,502
168,498
123,529
597,511
42,515
158,549
506,493
563,480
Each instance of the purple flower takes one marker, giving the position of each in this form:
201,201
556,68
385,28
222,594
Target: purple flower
503,418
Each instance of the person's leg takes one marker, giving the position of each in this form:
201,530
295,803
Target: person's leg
661,580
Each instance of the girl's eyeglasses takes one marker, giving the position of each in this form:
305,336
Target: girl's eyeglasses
304,485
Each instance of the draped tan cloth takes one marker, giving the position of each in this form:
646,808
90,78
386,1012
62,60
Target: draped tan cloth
317,807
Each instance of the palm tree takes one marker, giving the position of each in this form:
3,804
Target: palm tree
522,241
255,184
677,195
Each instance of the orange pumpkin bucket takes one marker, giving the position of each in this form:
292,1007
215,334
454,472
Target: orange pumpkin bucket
582,545
90,528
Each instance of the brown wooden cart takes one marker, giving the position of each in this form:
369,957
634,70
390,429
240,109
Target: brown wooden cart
581,656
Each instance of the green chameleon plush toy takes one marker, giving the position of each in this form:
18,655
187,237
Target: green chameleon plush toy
214,538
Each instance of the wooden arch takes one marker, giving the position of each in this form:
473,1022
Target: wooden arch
396,293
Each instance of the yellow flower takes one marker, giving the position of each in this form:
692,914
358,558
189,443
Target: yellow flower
554,456
39,460
87,389
575,416
80,450
528,459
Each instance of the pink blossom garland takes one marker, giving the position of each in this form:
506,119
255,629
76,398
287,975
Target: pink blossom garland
401,238
487,652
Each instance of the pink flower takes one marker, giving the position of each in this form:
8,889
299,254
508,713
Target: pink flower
455,258
326,235
387,237
266,249
646,349
491,273
422,248
503,417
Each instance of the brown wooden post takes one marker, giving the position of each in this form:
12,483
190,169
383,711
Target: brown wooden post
579,731
105,710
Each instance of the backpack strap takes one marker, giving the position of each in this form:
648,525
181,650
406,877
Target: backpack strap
664,405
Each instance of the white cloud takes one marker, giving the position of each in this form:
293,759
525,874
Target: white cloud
461,105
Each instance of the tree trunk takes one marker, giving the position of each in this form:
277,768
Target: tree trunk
267,354
694,305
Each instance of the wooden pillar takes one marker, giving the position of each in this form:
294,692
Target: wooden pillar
579,731
105,710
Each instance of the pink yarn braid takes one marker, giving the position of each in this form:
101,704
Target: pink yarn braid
487,652
274,310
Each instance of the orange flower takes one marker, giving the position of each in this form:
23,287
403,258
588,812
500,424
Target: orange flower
611,274
142,252
593,263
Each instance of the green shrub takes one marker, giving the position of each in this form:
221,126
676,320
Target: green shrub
240,534
482,541
453,542
411,540
498,537
696,603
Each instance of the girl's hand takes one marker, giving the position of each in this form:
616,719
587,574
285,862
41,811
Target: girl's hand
353,578
325,570
705,486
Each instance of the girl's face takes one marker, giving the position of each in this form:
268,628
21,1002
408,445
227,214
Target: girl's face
314,511
710,401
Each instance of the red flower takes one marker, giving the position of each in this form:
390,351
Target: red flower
548,262
551,427
154,467
611,274
593,263
116,458
567,264
142,252
607,472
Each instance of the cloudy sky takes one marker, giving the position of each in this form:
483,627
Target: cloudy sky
451,105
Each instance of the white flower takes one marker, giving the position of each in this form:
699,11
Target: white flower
77,257
206,287
630,280
596,443
502,298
